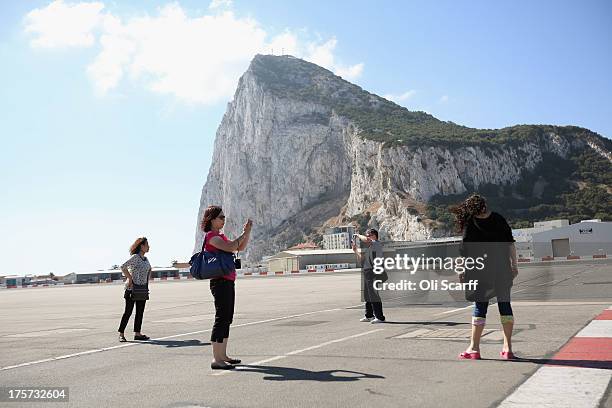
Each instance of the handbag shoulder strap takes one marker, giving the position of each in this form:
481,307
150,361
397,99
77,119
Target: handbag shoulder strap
204,244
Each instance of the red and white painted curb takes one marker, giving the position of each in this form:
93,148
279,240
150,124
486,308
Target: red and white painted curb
263,273
294,272
562,258
577,376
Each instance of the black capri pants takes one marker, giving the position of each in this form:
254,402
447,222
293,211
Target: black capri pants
129,307
223,291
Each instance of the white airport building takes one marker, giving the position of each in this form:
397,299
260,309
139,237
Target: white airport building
524,236
293,261
588,238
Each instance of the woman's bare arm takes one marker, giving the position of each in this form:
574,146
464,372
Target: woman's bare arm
237,244
127,275
513,257
244,240
246,235
513,260
227,246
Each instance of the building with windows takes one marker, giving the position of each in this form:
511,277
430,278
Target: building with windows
338,237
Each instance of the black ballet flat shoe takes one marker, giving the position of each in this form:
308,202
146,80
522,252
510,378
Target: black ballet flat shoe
217,366
233,361
141,337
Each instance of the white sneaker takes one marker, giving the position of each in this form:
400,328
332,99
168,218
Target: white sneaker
366,319
375,321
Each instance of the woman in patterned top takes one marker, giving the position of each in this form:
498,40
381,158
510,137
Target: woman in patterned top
222,288
136,271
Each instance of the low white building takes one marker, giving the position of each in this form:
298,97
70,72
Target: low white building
291,261
585,239
524,236
15,281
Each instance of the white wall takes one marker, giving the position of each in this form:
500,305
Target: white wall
585,238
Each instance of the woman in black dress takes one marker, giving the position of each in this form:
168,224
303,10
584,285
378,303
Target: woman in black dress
487,234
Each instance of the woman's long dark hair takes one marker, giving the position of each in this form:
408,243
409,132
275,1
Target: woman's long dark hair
473,205
135,248
210,214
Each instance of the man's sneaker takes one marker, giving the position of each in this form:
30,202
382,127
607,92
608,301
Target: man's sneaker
366,319
375,321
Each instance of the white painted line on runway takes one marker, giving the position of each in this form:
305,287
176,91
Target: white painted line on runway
454,310
561,387
521,290
99,350
292,353
43,333
597,328
188,319
82,353
469,306
252,323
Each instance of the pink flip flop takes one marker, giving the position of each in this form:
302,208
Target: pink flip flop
507,355
469,356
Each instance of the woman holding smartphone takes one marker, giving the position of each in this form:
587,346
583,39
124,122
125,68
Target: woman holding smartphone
223,288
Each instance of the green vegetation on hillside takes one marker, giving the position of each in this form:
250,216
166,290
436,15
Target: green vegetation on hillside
576,188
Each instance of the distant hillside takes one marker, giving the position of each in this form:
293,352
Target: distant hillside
382,120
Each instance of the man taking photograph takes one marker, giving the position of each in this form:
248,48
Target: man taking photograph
373,250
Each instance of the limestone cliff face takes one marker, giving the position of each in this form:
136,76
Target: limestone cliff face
273,158
293,162
397,176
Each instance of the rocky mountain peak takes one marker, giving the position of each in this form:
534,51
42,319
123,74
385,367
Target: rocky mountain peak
300,147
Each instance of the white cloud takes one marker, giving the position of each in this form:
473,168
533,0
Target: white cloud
444,99
283,44
323,55
215,4
64,25
350,73
402,97
195,59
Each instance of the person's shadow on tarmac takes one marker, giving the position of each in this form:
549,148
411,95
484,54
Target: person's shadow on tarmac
176,343
274,373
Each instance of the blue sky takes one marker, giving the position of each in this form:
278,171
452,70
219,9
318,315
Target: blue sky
108,110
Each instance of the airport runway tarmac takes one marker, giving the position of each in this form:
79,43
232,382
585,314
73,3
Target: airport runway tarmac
299,338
